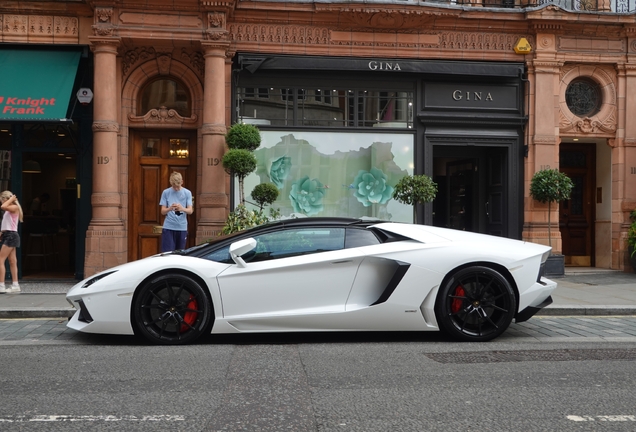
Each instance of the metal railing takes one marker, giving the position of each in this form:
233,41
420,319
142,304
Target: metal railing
593,6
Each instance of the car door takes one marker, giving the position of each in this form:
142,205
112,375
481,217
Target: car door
291,272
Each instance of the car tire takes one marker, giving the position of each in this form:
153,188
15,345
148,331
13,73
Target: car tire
172,309
475,304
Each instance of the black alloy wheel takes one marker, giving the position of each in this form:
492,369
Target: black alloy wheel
172,309
476,304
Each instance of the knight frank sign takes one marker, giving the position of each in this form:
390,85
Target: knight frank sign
36,85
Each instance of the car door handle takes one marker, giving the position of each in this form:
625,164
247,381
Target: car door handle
342,262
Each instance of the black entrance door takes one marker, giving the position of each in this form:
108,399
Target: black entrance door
472,189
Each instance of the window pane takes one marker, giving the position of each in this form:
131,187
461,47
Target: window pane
323,108
358,237
295,242
165,93
266,106
179,148
150,146
349,174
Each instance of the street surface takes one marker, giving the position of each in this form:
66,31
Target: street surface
548,374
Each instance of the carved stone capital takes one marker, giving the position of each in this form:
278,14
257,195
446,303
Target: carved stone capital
105,126
213,129
214,48
104,44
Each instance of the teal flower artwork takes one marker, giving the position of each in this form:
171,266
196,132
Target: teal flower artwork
279,170
371,187
306,196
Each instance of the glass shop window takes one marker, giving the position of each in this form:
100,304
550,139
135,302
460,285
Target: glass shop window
165,93
357,108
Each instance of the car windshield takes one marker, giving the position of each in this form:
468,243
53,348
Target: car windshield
212,241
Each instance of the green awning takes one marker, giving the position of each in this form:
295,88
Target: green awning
36,85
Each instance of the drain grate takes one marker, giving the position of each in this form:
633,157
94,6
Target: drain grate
526,356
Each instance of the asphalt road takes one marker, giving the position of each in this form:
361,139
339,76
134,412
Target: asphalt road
531,379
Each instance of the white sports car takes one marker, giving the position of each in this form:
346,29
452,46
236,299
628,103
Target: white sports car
321,274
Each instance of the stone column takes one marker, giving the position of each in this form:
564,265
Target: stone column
624,164
105,238
543,141
214,199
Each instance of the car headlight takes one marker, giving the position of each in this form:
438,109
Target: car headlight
92,280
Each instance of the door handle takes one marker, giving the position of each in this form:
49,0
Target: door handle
341,262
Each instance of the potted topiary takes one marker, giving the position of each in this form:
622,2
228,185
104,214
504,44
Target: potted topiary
548,186
631,240
415,189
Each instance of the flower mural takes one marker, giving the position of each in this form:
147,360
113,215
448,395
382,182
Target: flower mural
371,187
279,170
306,196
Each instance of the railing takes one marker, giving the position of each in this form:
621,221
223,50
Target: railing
605,6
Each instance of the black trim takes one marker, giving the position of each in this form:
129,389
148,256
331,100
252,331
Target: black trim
258,62
400,271
84,315
529,312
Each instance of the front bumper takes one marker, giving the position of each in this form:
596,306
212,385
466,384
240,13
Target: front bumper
530,311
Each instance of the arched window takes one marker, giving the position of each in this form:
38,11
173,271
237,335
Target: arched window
167,93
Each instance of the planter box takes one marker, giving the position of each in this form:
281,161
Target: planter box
555,265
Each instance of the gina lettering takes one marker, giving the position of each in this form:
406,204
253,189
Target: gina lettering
468,95
387,66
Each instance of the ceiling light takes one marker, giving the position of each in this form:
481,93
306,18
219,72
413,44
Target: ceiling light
31,167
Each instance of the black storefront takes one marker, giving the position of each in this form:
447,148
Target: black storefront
46,150
465,119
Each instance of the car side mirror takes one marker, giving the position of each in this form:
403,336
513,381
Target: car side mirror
240,248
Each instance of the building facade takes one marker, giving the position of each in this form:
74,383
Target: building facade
349,97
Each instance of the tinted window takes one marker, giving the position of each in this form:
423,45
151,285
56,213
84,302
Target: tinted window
357,237
287,243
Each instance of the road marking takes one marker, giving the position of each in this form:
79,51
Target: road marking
609,418
91,418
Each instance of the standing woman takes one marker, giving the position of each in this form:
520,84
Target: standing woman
9,239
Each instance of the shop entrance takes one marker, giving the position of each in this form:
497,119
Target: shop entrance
576,215
471,189
154,155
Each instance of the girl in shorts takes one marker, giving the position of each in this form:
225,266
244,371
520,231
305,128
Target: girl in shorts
9,239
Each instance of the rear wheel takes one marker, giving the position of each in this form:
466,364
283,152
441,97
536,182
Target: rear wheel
172,309
476,304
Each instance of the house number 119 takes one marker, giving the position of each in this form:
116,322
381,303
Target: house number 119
102,160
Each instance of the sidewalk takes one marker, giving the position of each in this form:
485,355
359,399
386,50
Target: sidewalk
582,291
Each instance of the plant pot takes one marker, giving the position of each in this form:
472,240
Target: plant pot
555,265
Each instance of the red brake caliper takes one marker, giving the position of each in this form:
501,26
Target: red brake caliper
190,317
456,305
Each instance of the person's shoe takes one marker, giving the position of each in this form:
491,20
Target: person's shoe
14,289
2,289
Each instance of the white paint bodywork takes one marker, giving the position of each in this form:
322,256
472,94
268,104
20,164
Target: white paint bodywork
327,291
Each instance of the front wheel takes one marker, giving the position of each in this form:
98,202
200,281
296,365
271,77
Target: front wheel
172,309
476,304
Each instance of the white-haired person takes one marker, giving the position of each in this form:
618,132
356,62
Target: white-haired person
10,239
176,205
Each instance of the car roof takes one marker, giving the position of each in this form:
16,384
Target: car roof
320,221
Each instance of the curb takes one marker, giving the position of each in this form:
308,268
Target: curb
587,310
36,313
549,311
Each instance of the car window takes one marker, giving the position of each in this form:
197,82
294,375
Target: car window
287,243
358,237
294,242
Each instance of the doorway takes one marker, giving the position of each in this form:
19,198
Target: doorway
576,215
154,156
471,189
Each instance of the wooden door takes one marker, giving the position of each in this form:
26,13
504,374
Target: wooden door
576,215
153,157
